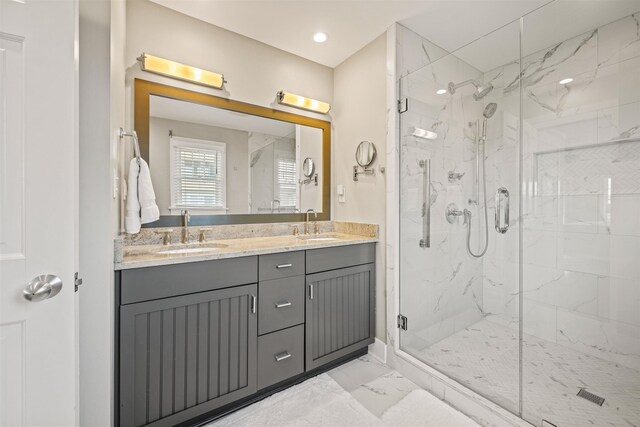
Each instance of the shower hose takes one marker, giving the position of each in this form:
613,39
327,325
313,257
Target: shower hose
467,214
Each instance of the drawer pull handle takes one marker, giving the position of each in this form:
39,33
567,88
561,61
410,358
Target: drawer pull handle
283,304
279,266
282,356
310,290
254,304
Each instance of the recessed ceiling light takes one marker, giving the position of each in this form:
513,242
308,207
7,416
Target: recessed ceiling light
319,37
566,81
441,91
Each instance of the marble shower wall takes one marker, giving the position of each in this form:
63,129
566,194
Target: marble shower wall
441,290
581,193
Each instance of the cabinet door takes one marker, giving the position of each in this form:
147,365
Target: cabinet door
184,356
340,313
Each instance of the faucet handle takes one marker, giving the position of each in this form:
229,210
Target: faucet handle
295,230
166,238
202,237
316,228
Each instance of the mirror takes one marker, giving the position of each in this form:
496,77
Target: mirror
308,167
365,153
228,162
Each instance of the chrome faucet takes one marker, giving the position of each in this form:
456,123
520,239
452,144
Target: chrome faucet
186,216
306,224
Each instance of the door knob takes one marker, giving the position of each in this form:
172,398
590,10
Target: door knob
42,287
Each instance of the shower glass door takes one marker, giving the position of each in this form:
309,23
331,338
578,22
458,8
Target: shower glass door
581,222
460,144
546,321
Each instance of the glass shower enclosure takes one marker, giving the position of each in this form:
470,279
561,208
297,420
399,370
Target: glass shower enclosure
520,220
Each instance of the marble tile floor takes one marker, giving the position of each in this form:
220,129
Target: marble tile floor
484,357
363,392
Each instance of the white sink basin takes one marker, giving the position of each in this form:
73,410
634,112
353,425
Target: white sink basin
192,250
318,238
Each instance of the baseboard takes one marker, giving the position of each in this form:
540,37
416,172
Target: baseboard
379,350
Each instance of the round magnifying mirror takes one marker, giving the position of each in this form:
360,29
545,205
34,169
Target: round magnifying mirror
366,153
308,167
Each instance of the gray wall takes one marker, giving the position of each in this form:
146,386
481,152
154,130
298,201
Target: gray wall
360,113
237,167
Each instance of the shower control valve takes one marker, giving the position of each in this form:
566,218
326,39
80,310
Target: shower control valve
452,213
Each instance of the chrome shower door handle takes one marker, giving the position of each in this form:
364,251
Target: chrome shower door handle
425,242
502,194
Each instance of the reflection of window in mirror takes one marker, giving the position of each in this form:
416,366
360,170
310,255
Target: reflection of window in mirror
286,183
198,174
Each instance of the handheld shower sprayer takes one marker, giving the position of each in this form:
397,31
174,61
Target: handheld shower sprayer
488,112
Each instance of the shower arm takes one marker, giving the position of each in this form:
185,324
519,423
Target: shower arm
465,83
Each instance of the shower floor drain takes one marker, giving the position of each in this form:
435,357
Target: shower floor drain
593,398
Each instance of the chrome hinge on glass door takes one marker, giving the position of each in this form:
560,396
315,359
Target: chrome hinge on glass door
403,105
403,322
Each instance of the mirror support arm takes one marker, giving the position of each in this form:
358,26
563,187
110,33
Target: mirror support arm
364,171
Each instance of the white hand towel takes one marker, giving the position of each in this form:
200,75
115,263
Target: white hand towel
149,211
132,218
141,199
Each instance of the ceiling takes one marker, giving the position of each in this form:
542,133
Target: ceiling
351,24
183,111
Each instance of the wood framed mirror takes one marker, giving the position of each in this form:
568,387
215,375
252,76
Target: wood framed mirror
229,162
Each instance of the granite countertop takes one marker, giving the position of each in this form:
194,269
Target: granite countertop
146,251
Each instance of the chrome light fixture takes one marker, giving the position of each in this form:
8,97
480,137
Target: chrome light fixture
176,70
302,102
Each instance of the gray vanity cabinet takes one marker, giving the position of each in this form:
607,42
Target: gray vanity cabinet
184,356
340,303
199,338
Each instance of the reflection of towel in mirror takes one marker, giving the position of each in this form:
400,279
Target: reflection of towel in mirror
141,199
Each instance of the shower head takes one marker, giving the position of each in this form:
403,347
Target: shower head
481,90
490,110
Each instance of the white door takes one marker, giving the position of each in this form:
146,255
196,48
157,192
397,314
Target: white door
38,210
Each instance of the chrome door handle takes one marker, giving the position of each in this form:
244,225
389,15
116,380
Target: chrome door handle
502,193
284,266
425,242
310,290
282,356
42,287
283,304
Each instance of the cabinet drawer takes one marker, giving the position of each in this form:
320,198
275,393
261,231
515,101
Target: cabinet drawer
277,266
326,259
280,304
280,356
145,284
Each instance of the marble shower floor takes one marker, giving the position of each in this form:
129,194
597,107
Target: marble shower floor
484,357
363,392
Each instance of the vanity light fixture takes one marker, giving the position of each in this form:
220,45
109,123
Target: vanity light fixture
319,37
423,133
176,70
298,101
566,81
441,91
